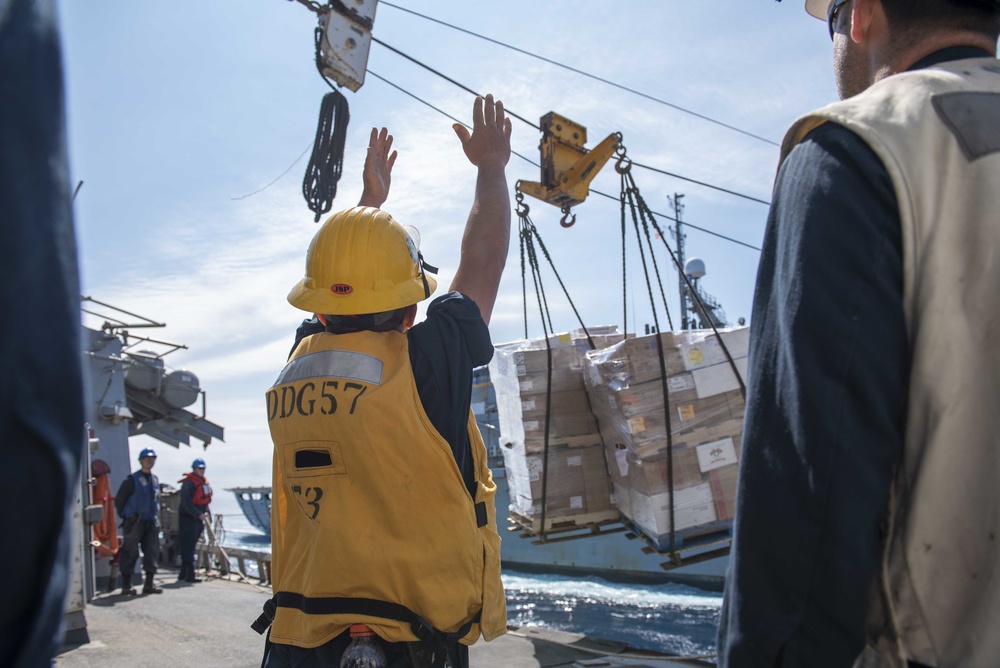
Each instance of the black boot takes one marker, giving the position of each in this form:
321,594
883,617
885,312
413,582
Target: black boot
182,576
127,585
149,587
192,575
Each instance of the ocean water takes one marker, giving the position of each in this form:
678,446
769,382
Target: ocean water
668,618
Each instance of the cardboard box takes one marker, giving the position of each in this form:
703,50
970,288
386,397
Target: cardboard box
716,454
620,496
723,481
560,425
563,380
573,401
685,418
577,488
642,398
536,444
536,361
702,349
649,476
691,439
693,507
637,360
718,378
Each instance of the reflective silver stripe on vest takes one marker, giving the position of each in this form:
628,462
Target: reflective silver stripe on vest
335,363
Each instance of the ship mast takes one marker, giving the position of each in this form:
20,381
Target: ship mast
679,236
705,311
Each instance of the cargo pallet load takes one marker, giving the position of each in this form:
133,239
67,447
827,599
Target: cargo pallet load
576,490
607,454
704,397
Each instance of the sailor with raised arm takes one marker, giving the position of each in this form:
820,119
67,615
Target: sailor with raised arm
383,509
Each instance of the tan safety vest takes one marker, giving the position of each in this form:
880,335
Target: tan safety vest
368,502
937,131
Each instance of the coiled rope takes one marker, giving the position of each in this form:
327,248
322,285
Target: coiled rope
319,186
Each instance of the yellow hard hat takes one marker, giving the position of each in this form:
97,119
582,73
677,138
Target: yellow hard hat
362,261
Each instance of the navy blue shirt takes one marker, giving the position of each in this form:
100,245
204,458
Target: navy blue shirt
826,407
444,349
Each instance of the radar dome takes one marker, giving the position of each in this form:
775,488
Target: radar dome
695,268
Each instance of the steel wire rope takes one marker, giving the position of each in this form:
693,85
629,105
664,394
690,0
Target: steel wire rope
628,196
449,79
634,192
277,178
525,227
587,74
528,234
644,210
535,164
535,126
702,183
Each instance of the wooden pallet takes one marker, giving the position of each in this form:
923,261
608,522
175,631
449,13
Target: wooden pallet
691,546
559,529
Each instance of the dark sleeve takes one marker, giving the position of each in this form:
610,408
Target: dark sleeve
307,328
42,411
444,349
125,490
187,499
825,410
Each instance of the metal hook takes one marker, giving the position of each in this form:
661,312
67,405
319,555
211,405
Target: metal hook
568,218
624,164
522,209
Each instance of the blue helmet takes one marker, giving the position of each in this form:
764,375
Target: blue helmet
198,463
147,452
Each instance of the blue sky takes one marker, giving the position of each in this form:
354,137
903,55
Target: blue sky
177,109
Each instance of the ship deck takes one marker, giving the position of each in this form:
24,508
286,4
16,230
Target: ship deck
208,624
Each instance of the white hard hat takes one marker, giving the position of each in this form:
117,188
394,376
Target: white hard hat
819,8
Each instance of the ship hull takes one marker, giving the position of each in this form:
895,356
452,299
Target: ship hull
614,557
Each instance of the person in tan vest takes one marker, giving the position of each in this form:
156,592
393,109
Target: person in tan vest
868,523
383,519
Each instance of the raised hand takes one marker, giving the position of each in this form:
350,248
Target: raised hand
378,169
488,146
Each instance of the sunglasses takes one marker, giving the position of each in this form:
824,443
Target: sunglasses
831,15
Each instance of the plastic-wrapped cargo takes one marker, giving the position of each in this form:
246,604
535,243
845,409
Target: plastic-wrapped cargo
577,489
706,407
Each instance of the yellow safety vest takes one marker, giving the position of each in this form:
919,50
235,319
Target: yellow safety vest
369,507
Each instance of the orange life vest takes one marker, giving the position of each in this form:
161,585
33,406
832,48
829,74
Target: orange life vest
202,490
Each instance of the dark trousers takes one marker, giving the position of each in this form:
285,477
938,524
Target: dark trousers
189,531
396,655
144,534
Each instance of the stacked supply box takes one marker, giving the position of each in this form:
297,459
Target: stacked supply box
577,489
626,390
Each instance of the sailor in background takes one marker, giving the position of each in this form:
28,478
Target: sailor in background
867,529
196,495
383,503
138,504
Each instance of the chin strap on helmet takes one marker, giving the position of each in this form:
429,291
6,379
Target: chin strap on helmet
424,266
